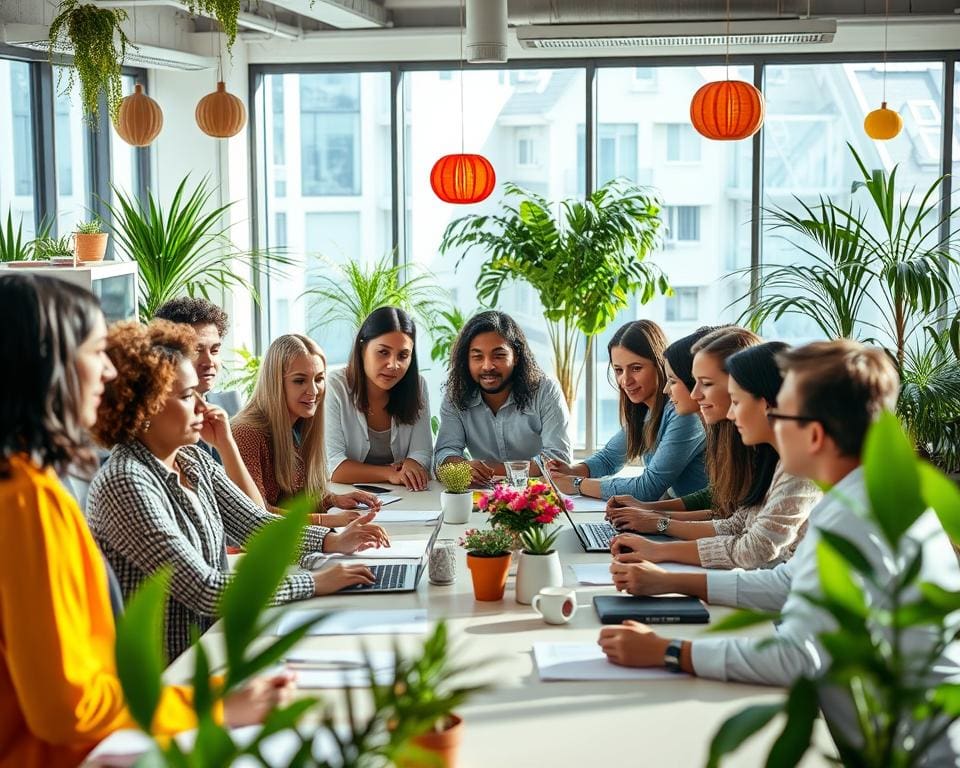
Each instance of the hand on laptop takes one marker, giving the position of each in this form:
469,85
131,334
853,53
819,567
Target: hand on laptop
630,548
358,535
633,645
338,576
632,519
623,500
411,474
641,578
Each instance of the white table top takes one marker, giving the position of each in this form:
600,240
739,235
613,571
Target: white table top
523,721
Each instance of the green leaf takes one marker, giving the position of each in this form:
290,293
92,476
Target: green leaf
794,741
848,551
940,493
947,695
948,601
743,618
740,727
837,582
140,656
892,478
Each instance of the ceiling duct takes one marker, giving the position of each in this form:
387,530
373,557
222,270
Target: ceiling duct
35,38
486,31
678,34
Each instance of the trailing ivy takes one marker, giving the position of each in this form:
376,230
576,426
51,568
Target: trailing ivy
225,12
99,47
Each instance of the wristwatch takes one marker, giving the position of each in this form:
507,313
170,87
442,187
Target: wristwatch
576,483
671,657
662,524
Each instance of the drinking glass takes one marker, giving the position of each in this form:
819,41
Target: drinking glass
517,473
443,562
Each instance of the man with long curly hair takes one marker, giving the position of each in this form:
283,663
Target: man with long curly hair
498,404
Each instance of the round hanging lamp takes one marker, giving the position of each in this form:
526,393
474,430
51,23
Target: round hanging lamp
221,114
139,119
463,179
883,123
727,110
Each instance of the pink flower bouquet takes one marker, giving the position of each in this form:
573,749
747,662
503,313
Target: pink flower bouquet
526,512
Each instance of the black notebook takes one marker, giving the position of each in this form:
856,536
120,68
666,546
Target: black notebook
615,609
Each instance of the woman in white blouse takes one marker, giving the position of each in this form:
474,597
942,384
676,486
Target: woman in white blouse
376,410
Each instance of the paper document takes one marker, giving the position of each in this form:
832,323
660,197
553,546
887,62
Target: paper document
587,504
585,661
412,621
317,668
405,516
386,498
399,549
599,573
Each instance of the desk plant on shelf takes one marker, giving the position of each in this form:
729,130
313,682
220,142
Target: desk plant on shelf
526,512
90,240
488,558
456,498
584,267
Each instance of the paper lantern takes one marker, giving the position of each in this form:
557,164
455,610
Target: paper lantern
139,119
463,179
883,123
221,114
727,110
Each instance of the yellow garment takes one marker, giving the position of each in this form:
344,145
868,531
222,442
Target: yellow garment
59,691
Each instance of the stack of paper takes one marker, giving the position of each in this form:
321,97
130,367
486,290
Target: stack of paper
585,661
405,621
321,668
406,516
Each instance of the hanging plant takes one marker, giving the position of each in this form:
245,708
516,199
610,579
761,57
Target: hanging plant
225,11
99,46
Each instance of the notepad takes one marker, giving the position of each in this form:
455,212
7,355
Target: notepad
585,661
403,621
406,516
599,573
319,668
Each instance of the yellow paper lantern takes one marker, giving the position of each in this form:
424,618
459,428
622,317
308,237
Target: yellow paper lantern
139,119
883,123
221,114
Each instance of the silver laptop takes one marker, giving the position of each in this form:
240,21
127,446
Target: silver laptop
398,577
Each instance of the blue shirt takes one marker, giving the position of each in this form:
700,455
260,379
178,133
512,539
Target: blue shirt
676,460
509,434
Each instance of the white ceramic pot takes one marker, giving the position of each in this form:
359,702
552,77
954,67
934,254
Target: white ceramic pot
536,572
456,507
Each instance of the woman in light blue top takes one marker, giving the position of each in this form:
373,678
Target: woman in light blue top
376,410
671,445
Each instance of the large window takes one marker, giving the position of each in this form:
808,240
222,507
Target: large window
329,134
124,159
16,144
71,134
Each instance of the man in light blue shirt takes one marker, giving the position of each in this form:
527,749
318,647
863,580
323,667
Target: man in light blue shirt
498,403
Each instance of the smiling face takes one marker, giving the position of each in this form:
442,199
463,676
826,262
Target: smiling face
94,369
208,356
304,384
678,393
710,391
386,359
492,361
636,376
180,421
749,413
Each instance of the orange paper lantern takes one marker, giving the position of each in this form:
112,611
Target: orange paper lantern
883,123
727,110
463,179
221,114
139,119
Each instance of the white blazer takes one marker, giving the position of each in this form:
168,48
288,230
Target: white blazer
346,434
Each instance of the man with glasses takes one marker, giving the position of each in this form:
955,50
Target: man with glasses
831,393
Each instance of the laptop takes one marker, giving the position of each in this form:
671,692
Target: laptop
596,536
398,577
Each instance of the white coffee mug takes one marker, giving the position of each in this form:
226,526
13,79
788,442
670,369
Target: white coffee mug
557,605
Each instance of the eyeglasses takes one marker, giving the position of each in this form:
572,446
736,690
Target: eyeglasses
774,416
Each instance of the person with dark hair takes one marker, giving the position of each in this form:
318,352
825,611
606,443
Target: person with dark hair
758,534
377,412
498,404
670,444
161,501
58,674
832,391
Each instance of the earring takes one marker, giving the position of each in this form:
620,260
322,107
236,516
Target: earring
146,425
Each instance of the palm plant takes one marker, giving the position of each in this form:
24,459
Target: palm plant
349,292
12,245
449,323
185,250
245,376
584,267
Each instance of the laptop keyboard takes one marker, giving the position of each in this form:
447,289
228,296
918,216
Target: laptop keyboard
598,534
390,576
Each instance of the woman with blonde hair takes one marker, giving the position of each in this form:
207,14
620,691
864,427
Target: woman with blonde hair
280,431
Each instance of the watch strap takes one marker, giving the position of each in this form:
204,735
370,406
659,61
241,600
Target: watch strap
671,657
576,483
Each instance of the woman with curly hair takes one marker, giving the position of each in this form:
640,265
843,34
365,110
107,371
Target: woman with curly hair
160,500
59,688
280,432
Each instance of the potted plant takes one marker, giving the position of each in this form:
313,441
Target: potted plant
883,657
584,267
12,245
527,512
488,558
47,248
456,500
90,240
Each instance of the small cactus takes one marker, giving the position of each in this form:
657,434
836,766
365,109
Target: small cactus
455,476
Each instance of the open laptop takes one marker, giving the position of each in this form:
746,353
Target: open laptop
398,577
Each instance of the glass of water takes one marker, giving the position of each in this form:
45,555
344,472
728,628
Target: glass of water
517,473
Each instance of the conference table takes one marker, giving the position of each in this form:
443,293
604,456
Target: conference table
522,721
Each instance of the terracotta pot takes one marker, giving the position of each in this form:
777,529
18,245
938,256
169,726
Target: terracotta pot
489,575
90,247
444,745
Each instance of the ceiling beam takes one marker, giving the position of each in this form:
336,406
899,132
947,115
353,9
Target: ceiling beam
342,14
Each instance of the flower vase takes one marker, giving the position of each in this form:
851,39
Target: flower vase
456,507
536,572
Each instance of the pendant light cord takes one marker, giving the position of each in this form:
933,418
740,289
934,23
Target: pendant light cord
462,119
886,25
727,56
